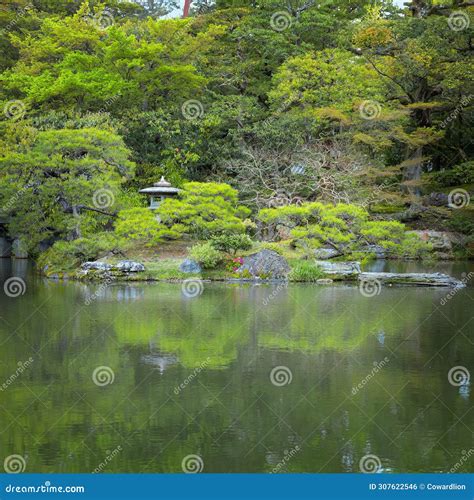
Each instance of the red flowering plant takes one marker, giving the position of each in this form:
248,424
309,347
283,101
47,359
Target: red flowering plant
233,263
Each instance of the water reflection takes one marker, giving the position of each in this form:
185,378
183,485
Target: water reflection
229,412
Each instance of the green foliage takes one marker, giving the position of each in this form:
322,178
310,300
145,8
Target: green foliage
68,255
305,271
142,225
344,227
54,182
459,174
204,210
231,243
206,255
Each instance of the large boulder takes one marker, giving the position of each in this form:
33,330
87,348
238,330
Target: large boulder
339,270
326,253
96,266
264,264
129,266
190,266
441,242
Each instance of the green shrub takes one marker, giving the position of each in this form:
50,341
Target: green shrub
68,255
460,174
230,243
206,255
305,270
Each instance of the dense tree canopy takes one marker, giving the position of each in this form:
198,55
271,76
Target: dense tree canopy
353,96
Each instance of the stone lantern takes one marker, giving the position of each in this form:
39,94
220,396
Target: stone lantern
158,192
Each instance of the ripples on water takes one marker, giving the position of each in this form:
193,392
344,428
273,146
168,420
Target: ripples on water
248,378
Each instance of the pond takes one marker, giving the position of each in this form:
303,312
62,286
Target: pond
240,378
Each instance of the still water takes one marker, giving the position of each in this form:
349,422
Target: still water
304,378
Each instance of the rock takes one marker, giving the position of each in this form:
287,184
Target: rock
190,266
5,247
324,281
19,249
437,199
420,279
326,253
129,266
96,266
380,252
339,270
265,264
441,242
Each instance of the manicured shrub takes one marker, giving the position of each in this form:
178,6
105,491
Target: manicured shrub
206,255
231,243
68,255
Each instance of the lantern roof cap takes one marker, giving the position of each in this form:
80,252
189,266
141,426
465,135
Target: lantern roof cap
160,187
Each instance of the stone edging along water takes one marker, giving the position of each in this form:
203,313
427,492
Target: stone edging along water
333,272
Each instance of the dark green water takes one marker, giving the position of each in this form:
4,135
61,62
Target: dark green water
222,346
